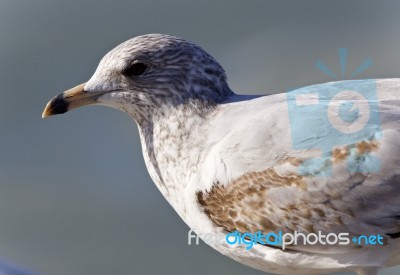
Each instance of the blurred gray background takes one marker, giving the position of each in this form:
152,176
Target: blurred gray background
75,196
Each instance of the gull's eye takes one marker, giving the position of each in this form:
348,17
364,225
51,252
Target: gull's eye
135,69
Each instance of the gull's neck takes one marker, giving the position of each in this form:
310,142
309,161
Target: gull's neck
171,145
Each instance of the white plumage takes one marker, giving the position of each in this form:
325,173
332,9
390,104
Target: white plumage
228,162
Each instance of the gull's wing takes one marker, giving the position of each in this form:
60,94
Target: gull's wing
258,173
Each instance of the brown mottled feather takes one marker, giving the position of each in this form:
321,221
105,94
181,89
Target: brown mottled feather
242,204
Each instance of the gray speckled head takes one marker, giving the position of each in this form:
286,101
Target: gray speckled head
176,72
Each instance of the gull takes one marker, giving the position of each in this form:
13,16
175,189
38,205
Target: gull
237,163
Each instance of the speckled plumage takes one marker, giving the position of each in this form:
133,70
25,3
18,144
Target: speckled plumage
225,162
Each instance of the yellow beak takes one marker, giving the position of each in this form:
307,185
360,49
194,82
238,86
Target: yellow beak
68,100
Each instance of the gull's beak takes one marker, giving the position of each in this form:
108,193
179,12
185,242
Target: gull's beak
68,100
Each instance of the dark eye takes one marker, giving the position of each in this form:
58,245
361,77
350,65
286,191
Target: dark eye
135,69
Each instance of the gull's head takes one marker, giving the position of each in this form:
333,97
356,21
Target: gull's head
146,74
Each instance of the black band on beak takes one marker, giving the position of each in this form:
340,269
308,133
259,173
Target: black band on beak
58,105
